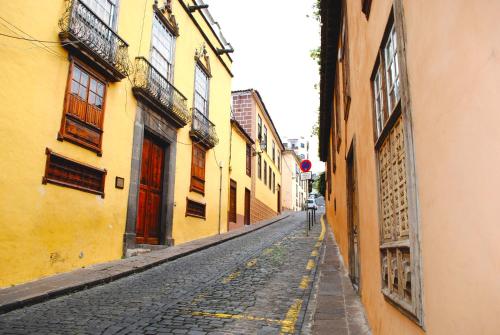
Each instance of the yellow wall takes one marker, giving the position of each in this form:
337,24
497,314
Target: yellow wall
238,170
262,191
47,229
190,39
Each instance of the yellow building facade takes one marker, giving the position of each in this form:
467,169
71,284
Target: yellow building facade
103,103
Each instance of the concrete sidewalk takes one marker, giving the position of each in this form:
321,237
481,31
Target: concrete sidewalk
50,287
337,308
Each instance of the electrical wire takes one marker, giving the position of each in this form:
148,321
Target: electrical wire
28,39
44,47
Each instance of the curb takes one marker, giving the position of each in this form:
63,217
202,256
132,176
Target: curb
31,293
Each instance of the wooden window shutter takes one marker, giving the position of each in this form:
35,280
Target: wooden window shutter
195,209
84,107
63,171
198,169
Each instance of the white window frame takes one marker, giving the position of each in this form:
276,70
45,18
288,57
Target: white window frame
162,49
201,96
100,7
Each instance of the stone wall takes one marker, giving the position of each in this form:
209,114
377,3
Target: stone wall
260,211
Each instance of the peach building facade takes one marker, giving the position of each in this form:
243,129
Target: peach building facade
408,134
266,157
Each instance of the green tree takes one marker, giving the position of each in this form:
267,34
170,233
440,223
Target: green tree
320,183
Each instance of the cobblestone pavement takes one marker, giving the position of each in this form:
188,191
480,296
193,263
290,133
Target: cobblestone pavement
255,284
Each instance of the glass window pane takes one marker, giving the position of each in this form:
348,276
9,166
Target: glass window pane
92,98
84,79
83,92
93,85
98,102
76,73
74,87
100,89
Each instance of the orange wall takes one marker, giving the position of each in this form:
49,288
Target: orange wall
453,62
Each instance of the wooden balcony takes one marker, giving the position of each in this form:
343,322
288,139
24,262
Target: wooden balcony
85,34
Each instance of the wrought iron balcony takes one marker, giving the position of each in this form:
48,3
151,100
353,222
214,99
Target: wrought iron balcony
202,130
154,89
83,32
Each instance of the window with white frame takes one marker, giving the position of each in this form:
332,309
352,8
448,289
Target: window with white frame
259,128
264,137
391,68
201,91
162,49
104,9
378,92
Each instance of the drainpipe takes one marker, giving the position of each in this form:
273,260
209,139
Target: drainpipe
220,193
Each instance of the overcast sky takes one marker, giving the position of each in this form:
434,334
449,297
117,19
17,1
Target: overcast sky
272,41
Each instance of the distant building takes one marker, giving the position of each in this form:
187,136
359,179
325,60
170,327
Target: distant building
300,145
265,195
295,191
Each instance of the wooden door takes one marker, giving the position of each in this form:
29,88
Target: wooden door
150,192
247,206
279,200
353,222
232,202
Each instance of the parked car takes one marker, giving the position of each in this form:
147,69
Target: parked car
311,204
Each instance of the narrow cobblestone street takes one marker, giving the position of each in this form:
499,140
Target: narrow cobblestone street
256,284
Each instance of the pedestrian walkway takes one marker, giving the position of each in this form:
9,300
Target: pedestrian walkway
54,286
335,307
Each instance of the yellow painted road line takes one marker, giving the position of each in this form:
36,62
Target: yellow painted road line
288,325
310,264
231,277
267,251
236,317
314,253
304,283
323,229
251,263
317,245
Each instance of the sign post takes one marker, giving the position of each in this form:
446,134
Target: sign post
305,167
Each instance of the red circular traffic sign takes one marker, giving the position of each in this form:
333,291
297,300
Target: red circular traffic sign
305,165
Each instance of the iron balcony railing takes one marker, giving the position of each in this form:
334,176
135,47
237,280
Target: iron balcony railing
81,28
203,130
160,92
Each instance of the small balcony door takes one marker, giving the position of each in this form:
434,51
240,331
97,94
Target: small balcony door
247,206
232,202
150,191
